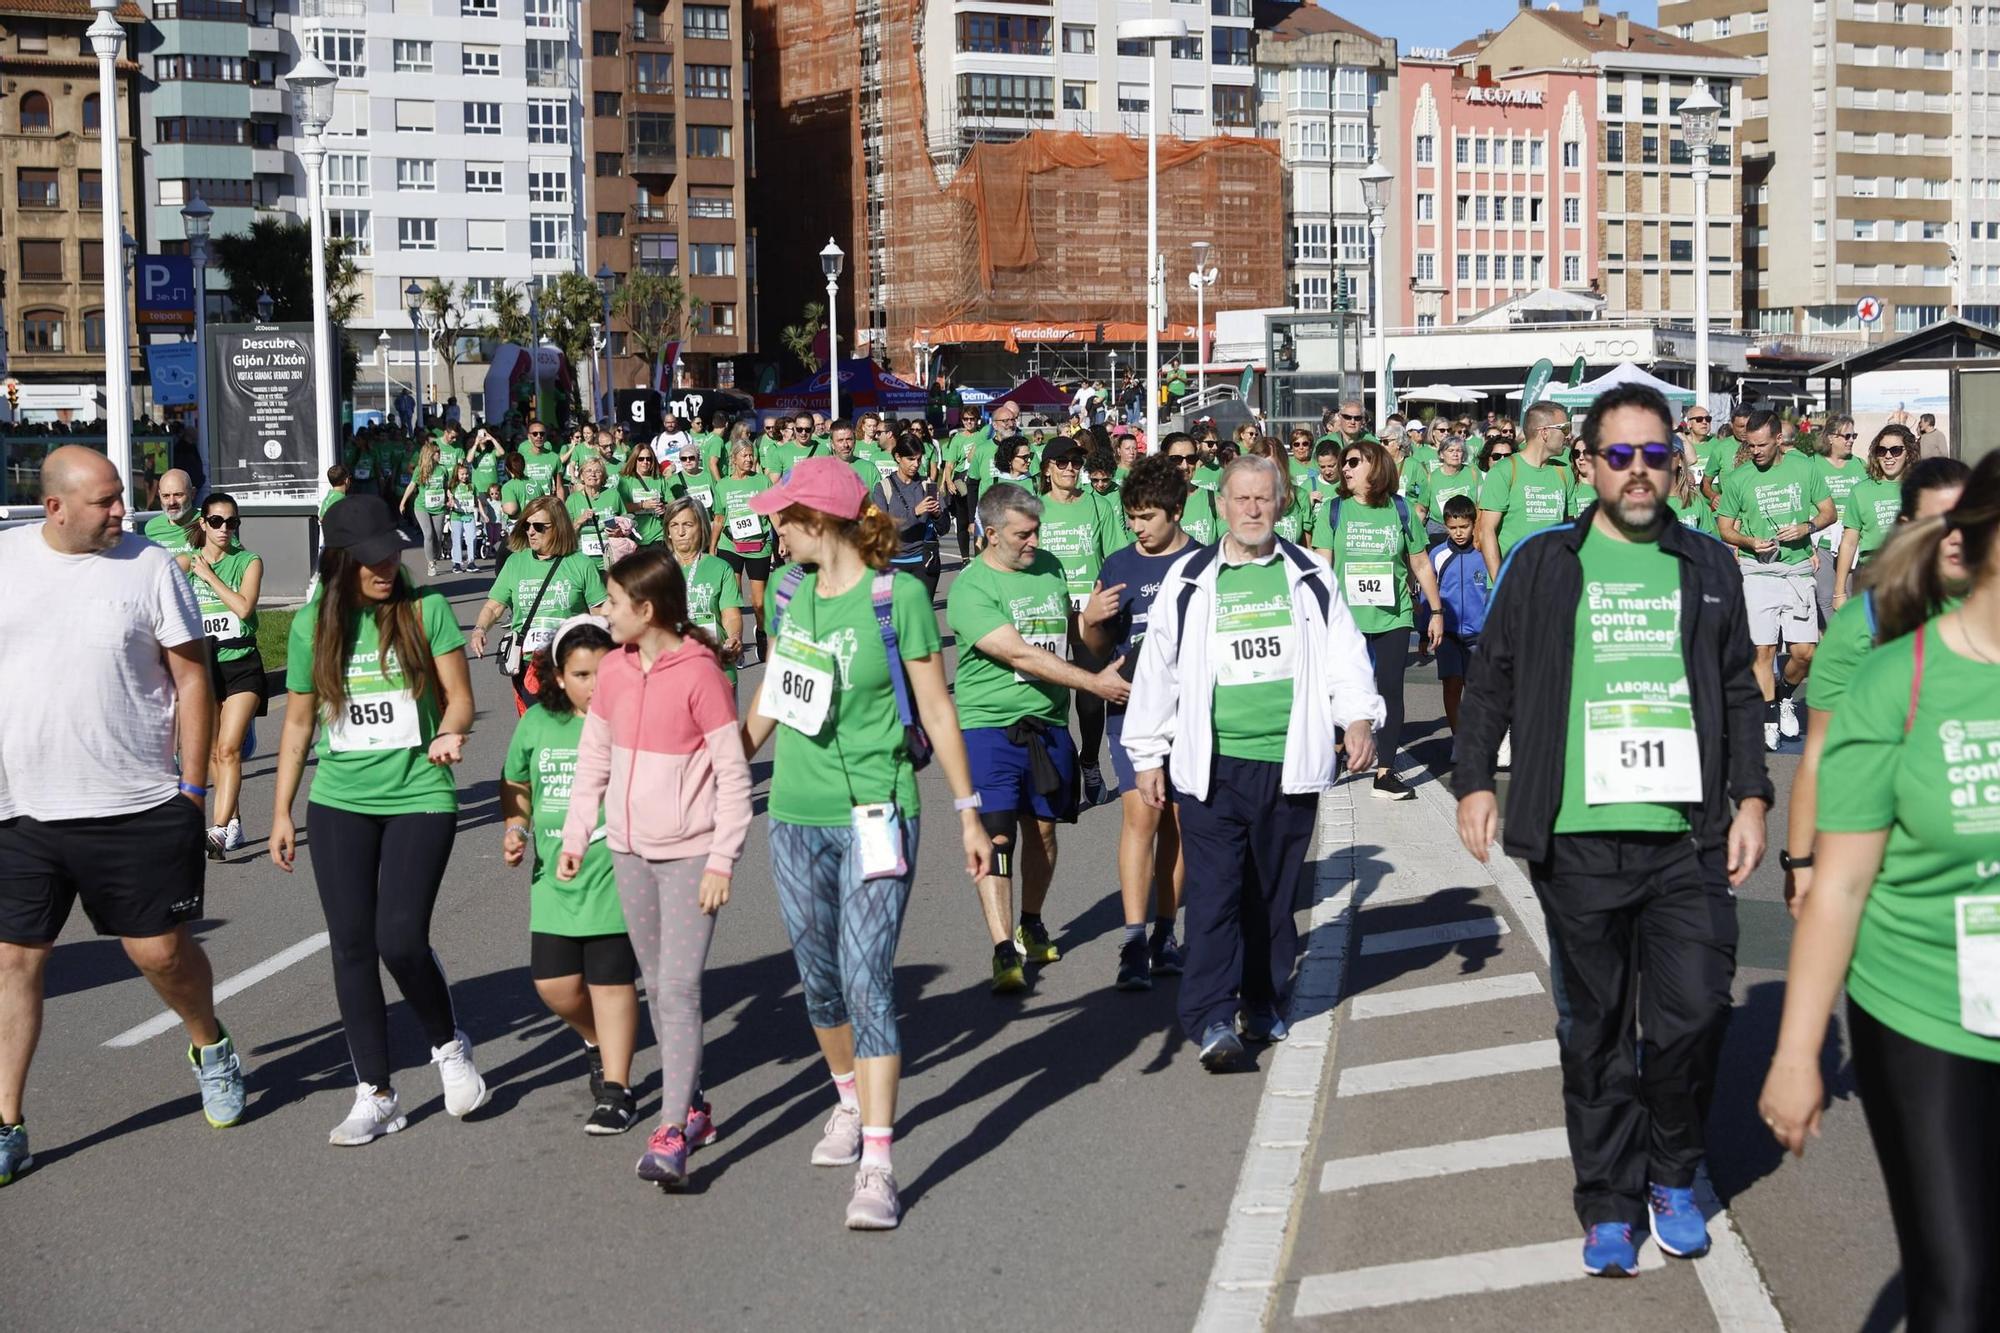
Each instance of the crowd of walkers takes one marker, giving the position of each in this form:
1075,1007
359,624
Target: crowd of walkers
1627,615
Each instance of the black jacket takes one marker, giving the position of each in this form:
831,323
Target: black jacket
1520,679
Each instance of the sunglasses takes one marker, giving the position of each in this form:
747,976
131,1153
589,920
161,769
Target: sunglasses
1185,460
540,527
536,435
1355,461
1890,450
1349,416
1070,466
1700,421
1845,435
1619,457
218,522
1560,427
1497,455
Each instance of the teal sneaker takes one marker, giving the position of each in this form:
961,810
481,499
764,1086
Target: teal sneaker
14,1155
220,1074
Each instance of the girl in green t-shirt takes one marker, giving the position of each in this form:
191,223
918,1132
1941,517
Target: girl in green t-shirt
579,955
227,580
1871,507
377,665
844,799
461,503
714,594
429,481
1904,913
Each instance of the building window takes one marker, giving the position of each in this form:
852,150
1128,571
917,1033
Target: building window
1462,151
714,140
659,254
1534,155
479,62
483,178
1005,34
1229,9
1680,252
1134,97
712,260
1010,96
1427,147
413,57
35,116
1614,145
346,175
38,187
1184,48
485,235
705,22
548,238
352,224
1426,208
711,204
418,117
1079,39
650,134
416,234
42,331
653,72
1479,152
344,50
1573,153
42,261
1076,96
709,81
90,189
548,121
1308,142
90,114
543,13
1312,89
1230,45
722,320
1479,209
1520,210
548,63
93,330
1572,211
416,175
479,9
480,117
604,104
1352,143
1479,268
479,294
548,187
1232,106
1649,148
1572,270
1313,291
607,164
1309,243
1465,268
610,224
604,44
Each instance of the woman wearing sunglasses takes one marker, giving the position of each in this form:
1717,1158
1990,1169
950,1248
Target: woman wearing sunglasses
1869,514
226,581
647,494
543,583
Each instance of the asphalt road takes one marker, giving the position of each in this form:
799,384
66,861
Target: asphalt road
1062,1157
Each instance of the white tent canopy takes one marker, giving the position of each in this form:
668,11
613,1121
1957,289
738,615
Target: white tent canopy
1439,393
1622,374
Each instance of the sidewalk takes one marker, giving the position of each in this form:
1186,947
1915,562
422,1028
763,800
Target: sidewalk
1411,1145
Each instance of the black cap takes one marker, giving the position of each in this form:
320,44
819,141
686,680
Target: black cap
362,526
1063,450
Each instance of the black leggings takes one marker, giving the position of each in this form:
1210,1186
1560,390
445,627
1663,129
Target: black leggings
1390,651
378,879
962,507
1932,1116
1089,708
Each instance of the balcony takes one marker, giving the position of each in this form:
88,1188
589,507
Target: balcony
265,40
267,102
654,215
655,35
551,78
652,158
268,162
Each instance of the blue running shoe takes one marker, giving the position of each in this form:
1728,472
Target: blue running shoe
1608,1251
14,1155
1220,1050
1678,1226
220,1074
1262,1027
1165,955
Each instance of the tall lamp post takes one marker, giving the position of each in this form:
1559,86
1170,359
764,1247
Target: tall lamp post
607,282
1153,32
598,342
1700,115
196,218
382,346
535,348
831,261
413,297
312,90
1201,279
1375,195
106,36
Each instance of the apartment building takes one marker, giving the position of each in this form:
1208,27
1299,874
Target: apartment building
51,123
1871,158
1327,93
668,165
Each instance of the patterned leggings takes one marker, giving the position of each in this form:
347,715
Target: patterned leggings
844,929
671,934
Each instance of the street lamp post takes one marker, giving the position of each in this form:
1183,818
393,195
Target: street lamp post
598,342
831,261
1375,195
1153,32
413,298
607,281
1700,116
266,307
196,218
106,36
382,346
535,348
312,90
1201,279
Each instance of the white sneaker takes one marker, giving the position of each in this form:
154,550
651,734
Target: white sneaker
374,1114
1771,736
464,1091
233,838
1788,718
430,569
1505,759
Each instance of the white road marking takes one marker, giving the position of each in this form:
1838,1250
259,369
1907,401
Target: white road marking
1446,995
1451,1067
1428,937
270,967
1453,1275
1444,1159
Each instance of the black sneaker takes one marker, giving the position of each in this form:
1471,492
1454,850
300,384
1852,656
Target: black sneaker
617,1111
1135,970
1093,787
1165,955
594,1057
1389,787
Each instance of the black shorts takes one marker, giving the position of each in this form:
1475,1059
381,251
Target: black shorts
758,567
138,875
243,675
603,960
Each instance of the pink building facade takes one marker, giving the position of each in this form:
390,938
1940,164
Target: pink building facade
1499,179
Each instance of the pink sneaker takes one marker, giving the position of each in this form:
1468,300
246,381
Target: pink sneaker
666,1157
874,1206
840,1139
700,1126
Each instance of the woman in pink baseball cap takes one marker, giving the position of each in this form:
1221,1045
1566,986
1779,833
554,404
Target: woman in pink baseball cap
855,690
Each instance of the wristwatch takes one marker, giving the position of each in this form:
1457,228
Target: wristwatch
1786,861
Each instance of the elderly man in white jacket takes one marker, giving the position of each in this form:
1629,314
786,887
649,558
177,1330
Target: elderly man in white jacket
1249,666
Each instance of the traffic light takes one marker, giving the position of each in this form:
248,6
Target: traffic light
13,395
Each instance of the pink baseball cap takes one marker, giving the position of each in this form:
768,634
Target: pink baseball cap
824,483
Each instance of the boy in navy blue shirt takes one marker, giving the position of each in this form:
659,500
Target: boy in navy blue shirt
1462,590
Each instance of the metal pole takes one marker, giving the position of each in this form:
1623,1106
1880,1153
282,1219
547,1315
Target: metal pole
832,348
608,392
534,354
1200,330
388,406
312,152
1153,285
203,441
1377,224
417,375
106,36
1701,278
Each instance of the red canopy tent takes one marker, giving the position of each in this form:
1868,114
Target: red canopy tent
1034,393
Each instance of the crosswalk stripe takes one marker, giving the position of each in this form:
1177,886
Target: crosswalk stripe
1446,995
1444,1159
1425,937
1453,1275
1452,1067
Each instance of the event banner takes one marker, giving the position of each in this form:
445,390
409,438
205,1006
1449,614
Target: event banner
260,379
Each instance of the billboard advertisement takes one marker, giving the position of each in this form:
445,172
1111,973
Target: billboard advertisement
260,379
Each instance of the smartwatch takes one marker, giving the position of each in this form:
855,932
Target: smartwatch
1786,861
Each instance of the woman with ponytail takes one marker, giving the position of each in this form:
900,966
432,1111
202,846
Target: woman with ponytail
662,728
1905,916
856,692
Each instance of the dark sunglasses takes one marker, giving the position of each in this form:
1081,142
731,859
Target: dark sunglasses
1890,450
1496,455
1185,460
1702,420
1349,416
1845,435
1618,457
218,522
1355,461
540,527
536,435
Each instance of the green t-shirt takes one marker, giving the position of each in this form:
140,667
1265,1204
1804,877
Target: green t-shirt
541,465
1371,566
733,496
712,588
163,531
542,757
1843,647
591,537
1035,601
1253,616
517,493
218,622
362,464
332,498
1933,786
1439,486
1762,500
374,759
1208,476
779,458
1628,672
648,527
1695,514
462,503
1713,457
1294,524
1198,518
879,459
700,488
1080,535
576,585
711,446
865,470
860,755
1527,498
1840,483
1871,511
430,492
486,469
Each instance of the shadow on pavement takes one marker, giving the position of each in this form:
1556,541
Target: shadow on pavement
1741,1150
87,964
1889,1311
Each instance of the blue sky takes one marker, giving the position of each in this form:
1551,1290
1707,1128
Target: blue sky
1449,22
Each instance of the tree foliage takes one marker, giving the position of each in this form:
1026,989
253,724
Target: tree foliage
275,256
798,338
449,321
657,310
570,303
510,315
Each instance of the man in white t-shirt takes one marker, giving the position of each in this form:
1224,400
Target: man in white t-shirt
92,804
670,439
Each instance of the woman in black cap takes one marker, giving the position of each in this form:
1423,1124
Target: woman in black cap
378,665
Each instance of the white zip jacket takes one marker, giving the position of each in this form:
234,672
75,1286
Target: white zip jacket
1173,690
